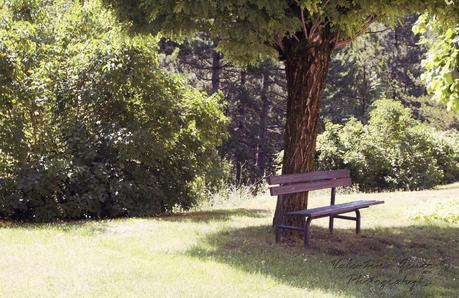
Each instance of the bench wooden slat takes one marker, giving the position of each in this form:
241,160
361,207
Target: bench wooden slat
307,186
308,177
334,209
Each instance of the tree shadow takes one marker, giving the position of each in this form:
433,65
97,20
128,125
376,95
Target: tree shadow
215,215
414,261
85,227
100,225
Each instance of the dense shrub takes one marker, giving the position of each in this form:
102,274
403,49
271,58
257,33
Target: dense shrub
89,126
392,151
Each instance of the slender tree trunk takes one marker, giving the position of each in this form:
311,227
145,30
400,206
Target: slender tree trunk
306,66
241,125
364,94
216,70
260,153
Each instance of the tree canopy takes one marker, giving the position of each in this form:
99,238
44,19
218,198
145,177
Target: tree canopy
254,29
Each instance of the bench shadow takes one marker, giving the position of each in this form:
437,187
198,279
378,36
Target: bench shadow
414,261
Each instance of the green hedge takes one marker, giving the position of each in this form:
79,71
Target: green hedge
392,151
90,126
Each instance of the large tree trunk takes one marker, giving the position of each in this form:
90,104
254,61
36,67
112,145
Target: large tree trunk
306,67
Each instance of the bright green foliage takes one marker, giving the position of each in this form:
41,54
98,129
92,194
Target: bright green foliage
253,29
442,62
392,151
89,125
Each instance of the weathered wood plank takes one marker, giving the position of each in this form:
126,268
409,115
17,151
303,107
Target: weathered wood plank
308,177
335,209
307,186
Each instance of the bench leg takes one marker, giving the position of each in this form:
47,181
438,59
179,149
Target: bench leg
306,232
330,224
277,232
278,220
357,221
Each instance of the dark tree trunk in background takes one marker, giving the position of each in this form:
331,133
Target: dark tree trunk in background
241,112
260,155
364,94
306,67
216,71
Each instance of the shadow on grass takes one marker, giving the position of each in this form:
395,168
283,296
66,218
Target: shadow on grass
96,226
215,215
83,227
415,261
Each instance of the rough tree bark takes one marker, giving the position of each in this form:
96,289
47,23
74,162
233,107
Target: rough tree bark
306,65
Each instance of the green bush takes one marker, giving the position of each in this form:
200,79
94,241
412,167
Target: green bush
392,151
90,126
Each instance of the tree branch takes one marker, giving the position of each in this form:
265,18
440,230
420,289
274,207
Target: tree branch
344,42
378,31
305,29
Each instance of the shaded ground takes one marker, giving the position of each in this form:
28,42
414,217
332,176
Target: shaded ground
417,261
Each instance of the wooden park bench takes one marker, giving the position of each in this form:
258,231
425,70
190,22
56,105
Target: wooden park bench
295,183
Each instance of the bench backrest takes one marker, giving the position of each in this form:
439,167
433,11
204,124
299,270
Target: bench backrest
293,183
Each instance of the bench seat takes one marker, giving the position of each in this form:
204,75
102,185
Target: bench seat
334,209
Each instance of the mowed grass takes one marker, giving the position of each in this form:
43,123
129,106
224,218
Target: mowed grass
230,252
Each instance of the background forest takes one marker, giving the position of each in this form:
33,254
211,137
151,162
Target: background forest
377,117
98,122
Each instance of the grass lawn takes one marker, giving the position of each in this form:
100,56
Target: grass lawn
231,252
